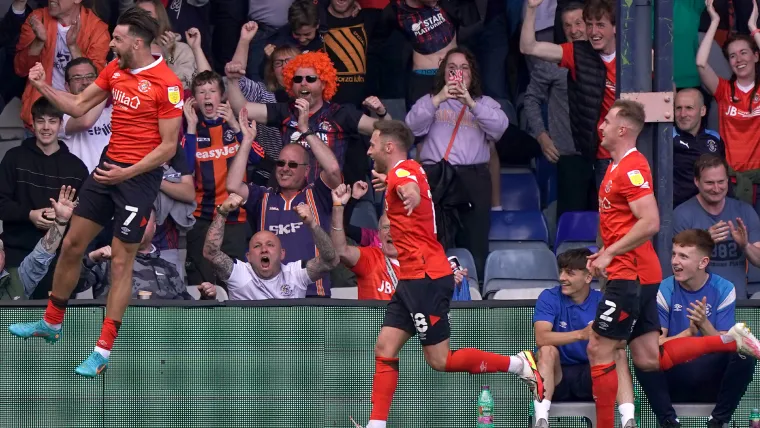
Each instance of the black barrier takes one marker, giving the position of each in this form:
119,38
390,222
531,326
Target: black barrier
294,363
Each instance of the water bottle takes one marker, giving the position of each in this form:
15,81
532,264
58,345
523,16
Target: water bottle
754,419
485,408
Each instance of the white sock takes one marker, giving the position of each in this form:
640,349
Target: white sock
53,326
542,409
515,365
725,338
627,412
104,352
376,424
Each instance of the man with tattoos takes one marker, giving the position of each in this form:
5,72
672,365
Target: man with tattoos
35,266
265,276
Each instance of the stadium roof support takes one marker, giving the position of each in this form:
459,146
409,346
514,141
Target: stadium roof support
635,80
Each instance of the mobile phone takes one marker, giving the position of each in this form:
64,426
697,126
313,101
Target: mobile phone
455,75
455,265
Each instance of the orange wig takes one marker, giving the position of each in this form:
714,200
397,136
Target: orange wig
321,63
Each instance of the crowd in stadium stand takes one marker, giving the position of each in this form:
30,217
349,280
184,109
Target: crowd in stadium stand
505,99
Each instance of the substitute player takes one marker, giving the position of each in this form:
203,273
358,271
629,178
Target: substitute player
421,302
628,218
146,119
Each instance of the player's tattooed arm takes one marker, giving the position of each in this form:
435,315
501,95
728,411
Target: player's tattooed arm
212,248
327,258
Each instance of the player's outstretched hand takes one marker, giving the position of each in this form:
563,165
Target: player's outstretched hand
378,181
232,203
302,106
234,70
37,75
304,211
110,174
341,194
359,189
64,206
208,291
249,131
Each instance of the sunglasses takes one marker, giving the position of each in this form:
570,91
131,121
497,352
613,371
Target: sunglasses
291,164
299,79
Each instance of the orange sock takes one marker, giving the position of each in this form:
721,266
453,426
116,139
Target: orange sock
383,387
683,349
475,361
56,308
108,334
604,385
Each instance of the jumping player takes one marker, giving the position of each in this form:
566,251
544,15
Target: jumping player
628,218
146,119
421,302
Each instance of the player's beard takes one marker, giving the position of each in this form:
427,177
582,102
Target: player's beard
125,59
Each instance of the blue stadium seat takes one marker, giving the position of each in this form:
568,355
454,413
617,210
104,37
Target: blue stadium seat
579,227
467,262
516,226
520,192
546,176
520,269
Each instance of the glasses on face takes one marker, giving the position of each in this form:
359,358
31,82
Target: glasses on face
81,78
309,79
279,63
291,164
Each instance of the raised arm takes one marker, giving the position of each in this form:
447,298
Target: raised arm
326,258
324,155
247,33
73,105
529,45
237,168
86,121
256,111
366,123
212,248
349,255
706,73
193,37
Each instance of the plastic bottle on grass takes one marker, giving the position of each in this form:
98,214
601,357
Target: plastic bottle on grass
485,408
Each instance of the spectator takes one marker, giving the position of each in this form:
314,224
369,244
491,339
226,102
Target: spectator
591,87
738,101
34,267
269,91
548,84
151,273
271,209
88,135
311,79
177,54
270,15
227,17
733,225
211,143
30,175
265,276
491,48
11,85
459,126
174,208
431,27
376,269
53,36
562,324
346,42
694,302
690,141
302,30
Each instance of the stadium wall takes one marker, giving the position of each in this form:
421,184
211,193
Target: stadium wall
263,364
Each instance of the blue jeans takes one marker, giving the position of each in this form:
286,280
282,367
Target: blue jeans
686,383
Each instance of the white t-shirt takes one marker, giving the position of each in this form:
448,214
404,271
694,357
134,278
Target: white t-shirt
61,59
290,283
88,145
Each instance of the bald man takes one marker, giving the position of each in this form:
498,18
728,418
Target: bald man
690,141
